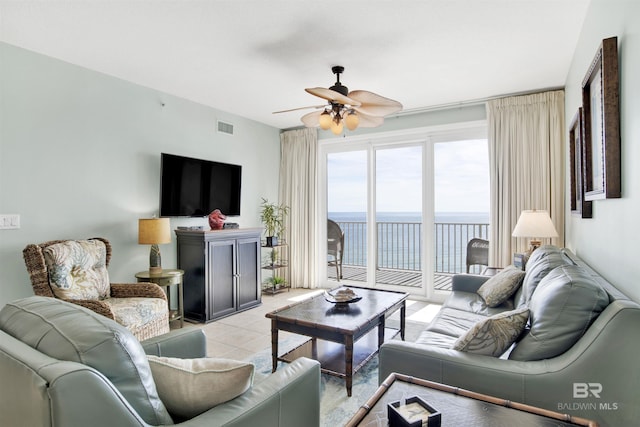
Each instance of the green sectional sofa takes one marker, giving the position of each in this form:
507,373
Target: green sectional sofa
576,355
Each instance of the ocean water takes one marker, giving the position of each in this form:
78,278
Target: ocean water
400,243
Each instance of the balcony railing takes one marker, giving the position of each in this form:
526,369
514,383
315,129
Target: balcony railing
399,245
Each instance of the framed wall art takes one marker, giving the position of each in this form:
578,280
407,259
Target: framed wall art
579,206
601,124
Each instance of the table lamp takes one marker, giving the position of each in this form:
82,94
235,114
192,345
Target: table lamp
154,232
535,224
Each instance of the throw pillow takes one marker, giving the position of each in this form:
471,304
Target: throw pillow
542,252
78,270
500,287
564,305
188,387
535,272
494,335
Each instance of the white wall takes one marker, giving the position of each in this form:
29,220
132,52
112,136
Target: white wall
608,241
80,157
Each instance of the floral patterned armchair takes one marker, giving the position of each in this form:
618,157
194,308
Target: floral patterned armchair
76,271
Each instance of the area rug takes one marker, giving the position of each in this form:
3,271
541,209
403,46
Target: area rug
336,408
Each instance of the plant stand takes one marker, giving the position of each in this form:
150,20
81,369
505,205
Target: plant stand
275,260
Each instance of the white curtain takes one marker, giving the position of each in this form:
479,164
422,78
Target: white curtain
526,167
298,182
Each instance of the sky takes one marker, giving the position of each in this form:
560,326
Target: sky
461,171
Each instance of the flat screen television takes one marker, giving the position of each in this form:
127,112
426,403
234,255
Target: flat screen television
195,187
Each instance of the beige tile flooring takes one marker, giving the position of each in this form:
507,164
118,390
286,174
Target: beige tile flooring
241,335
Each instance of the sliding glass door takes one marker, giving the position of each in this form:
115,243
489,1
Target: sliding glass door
374,196
347,232
398,216
389,199
461,207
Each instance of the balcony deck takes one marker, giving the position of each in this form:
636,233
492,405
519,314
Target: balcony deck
399,253
392,276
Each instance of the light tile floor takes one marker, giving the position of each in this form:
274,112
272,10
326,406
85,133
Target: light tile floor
241,335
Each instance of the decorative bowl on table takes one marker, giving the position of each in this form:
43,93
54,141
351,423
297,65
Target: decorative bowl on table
342,297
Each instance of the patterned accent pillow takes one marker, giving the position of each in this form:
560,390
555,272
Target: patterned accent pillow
77,269
494,335
500,287
188,387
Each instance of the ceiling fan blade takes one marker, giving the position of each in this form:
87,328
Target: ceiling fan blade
310,120
332,95
300,108
374,104
368,121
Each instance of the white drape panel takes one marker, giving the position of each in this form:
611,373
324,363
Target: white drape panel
298,183
526,164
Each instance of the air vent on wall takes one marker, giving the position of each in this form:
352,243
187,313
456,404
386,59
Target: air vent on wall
224,127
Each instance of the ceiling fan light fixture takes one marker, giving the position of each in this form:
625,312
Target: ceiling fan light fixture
355,109
337,125
325,120
352,120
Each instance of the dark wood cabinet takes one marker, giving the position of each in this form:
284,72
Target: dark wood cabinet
221,271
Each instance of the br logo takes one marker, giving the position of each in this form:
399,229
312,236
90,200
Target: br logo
584,390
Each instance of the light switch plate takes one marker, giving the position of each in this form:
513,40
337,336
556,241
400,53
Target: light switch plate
9,221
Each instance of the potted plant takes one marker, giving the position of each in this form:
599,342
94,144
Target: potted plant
275,282
273,217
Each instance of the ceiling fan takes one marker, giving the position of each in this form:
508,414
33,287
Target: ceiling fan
358,108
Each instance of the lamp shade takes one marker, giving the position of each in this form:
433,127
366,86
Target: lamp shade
154,231
534,223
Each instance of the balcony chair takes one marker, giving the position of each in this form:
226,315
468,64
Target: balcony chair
76,271
477,252
335,246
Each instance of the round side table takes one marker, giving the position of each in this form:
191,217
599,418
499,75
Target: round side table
165,279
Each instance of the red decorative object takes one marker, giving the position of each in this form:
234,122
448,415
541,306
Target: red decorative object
216,220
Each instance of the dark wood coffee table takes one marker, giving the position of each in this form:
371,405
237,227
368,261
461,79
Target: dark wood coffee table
342,339
458,407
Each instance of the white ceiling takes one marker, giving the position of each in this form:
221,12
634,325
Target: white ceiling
251,58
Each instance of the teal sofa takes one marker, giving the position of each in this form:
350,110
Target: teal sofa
64,365
578,355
